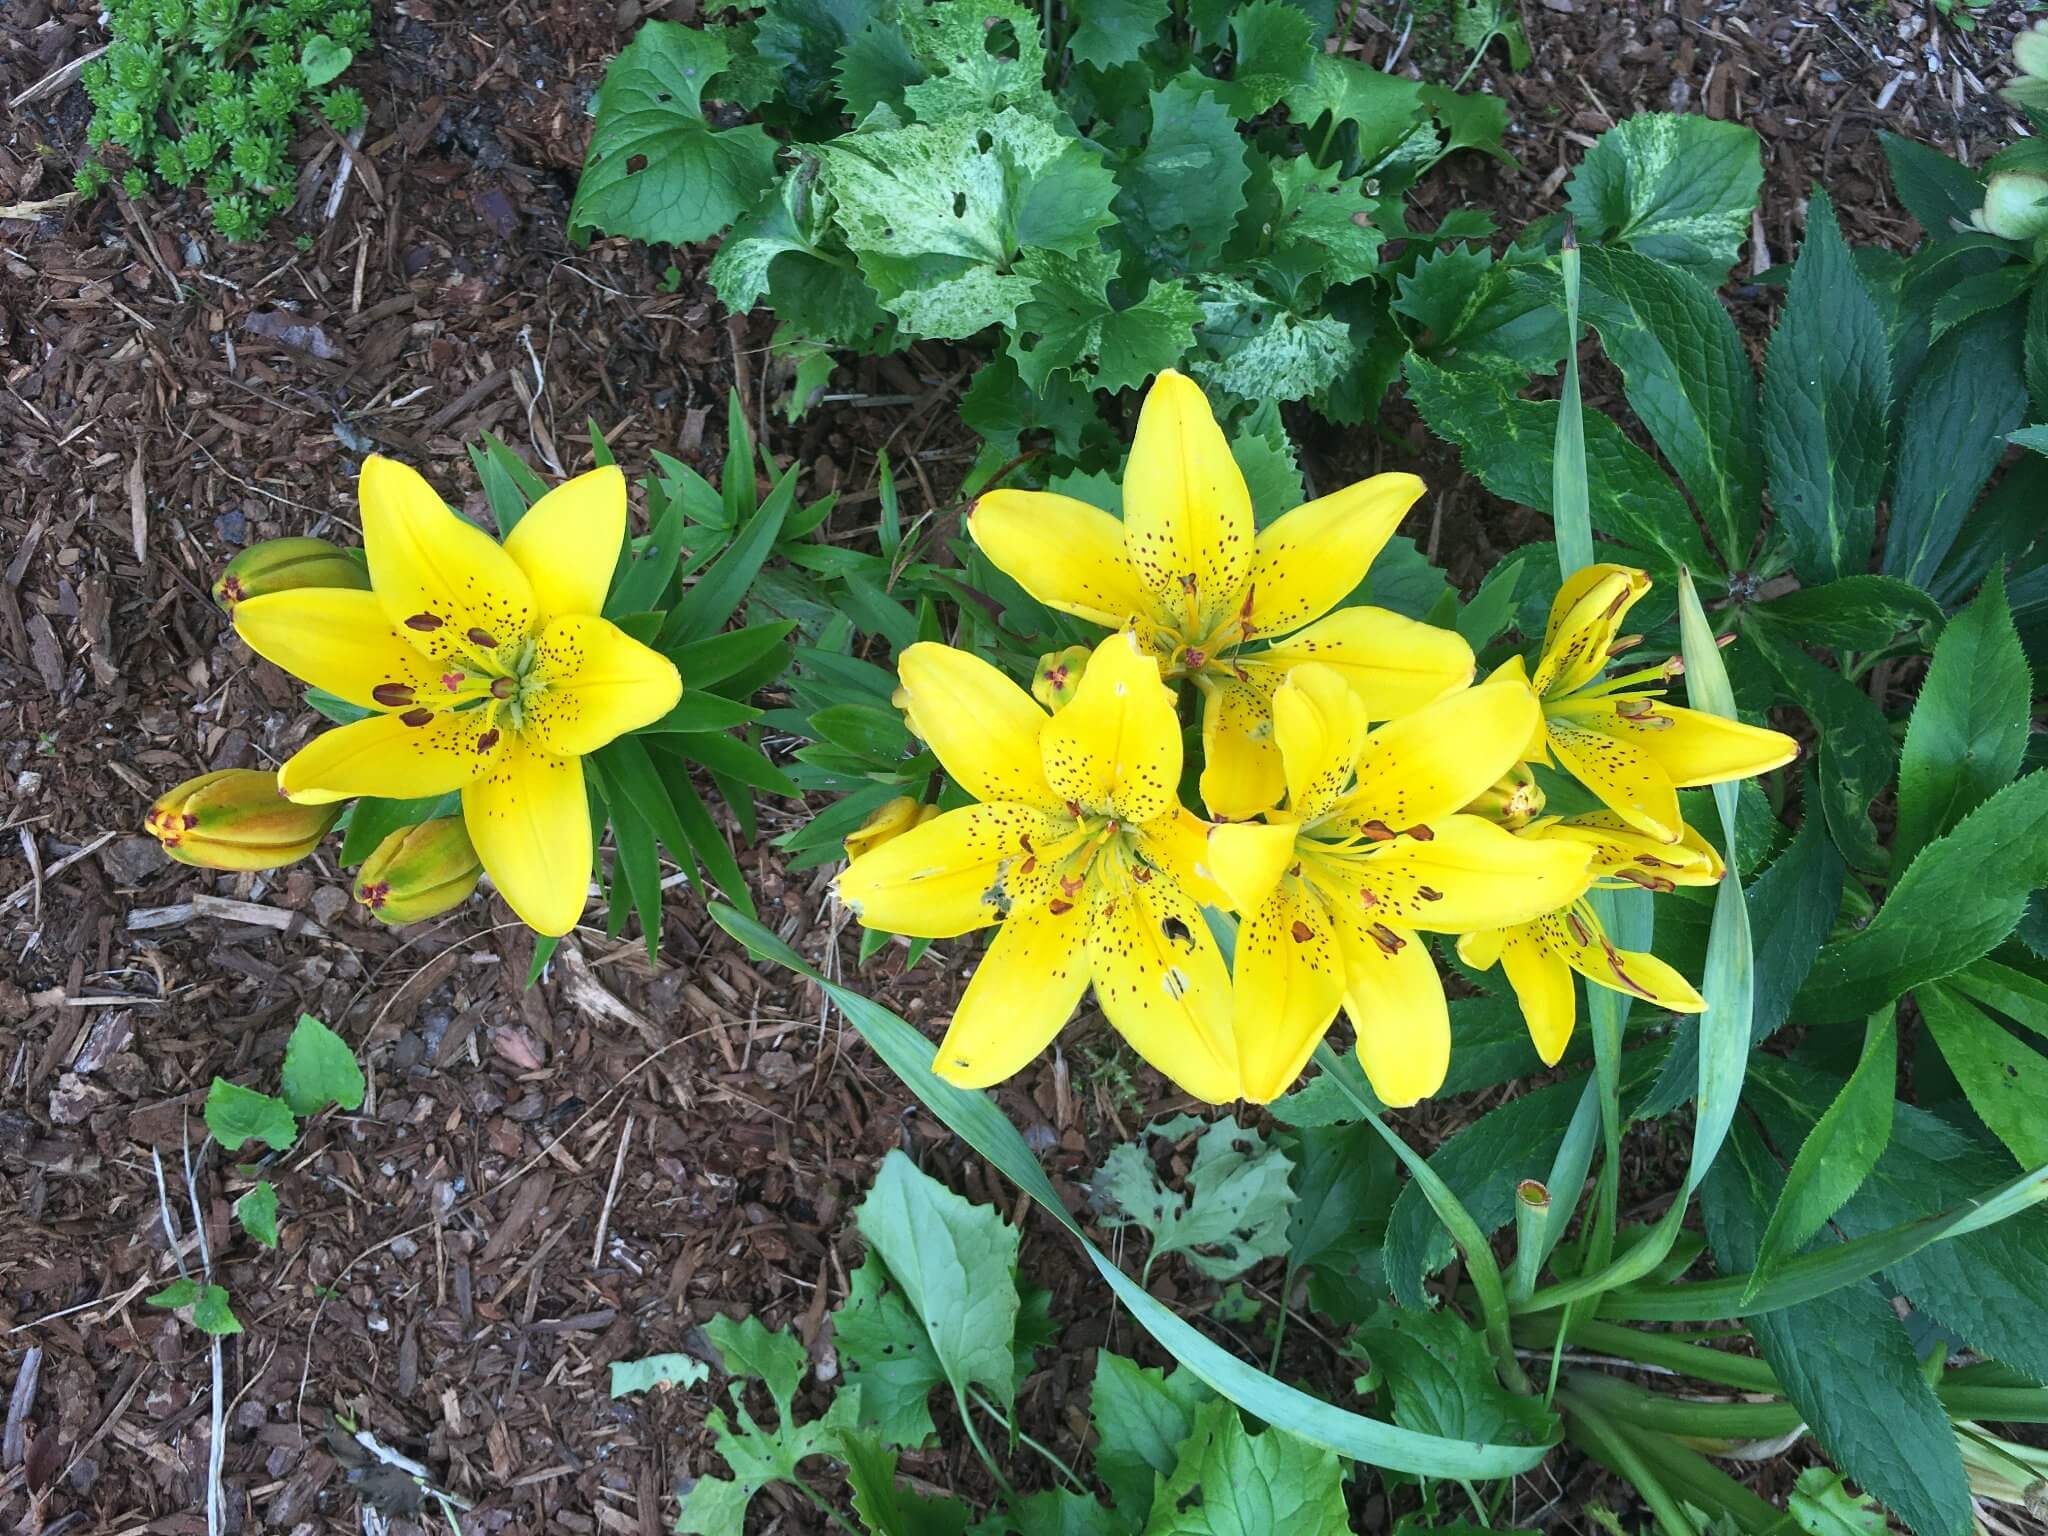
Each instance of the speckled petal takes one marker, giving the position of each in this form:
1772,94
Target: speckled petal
339,640
1693,747
445,584
1065,553
1187,513
1242,774
1161,981
1320,726
409,755
1543,986
1469,874
601,683
1396,1002
1396,664
568,542
1436,761
1250,857
1625,777
1026,987
1309,560
946,878
1584,618
1289,983
529,821
983,727
1115,750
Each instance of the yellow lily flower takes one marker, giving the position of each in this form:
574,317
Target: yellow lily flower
1079,848
1371,848
1217,603
1540,956
489,670
1615,735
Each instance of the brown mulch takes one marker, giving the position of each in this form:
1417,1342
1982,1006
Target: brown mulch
542,1180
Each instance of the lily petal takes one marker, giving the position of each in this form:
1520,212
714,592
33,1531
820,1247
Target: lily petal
568,542
1584,618
1161,981
1242,774
1623,853
1577,937
339,640
1469,874
529,821
1289,984
1177,845
1187,513
1396,1002
1027,985
1311,559
1116,748
601,683
983,727
1065,553
1249,858
1435,761
1396,664
1320,726
444,583
1691,746
945,878
1543,986
1627,779
414,754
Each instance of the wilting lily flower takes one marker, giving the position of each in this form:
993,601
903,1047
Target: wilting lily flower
1540,956
1079,849
1616,735
1369,849
488,666
1217,601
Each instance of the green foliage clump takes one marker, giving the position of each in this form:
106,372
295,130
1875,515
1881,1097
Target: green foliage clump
207,92
1122,189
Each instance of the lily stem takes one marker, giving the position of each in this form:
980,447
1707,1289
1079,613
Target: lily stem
1605,1442
1065,1471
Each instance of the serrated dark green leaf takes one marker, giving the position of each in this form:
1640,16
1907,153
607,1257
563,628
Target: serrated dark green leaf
1385,109
1509,444
1845,1363
1827,407
1477,313
1180,194
1795,901
656,170
1677,187
2005,1079
1936,190
1141,1416
1343,1182
320,1069
1230,1483
803,39
1324,215
1838,1153
1969,395
1958,901
875,67
1969,727
884,1508
1069,323
889,1357
1689,380
1112,32
1275,45
1857,753
236,1115
1860,612
1441,1378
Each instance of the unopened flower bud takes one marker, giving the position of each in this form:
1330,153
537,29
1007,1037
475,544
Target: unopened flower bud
1514,801
1057,676
2015,206
892,820
282,565
419,872
237,819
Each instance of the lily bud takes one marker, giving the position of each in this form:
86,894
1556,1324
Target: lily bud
281,565
1057,676
892,820
237,819
419,872
2015,206
1513,802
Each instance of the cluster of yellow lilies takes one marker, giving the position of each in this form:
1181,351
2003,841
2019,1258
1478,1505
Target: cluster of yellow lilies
1361,790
